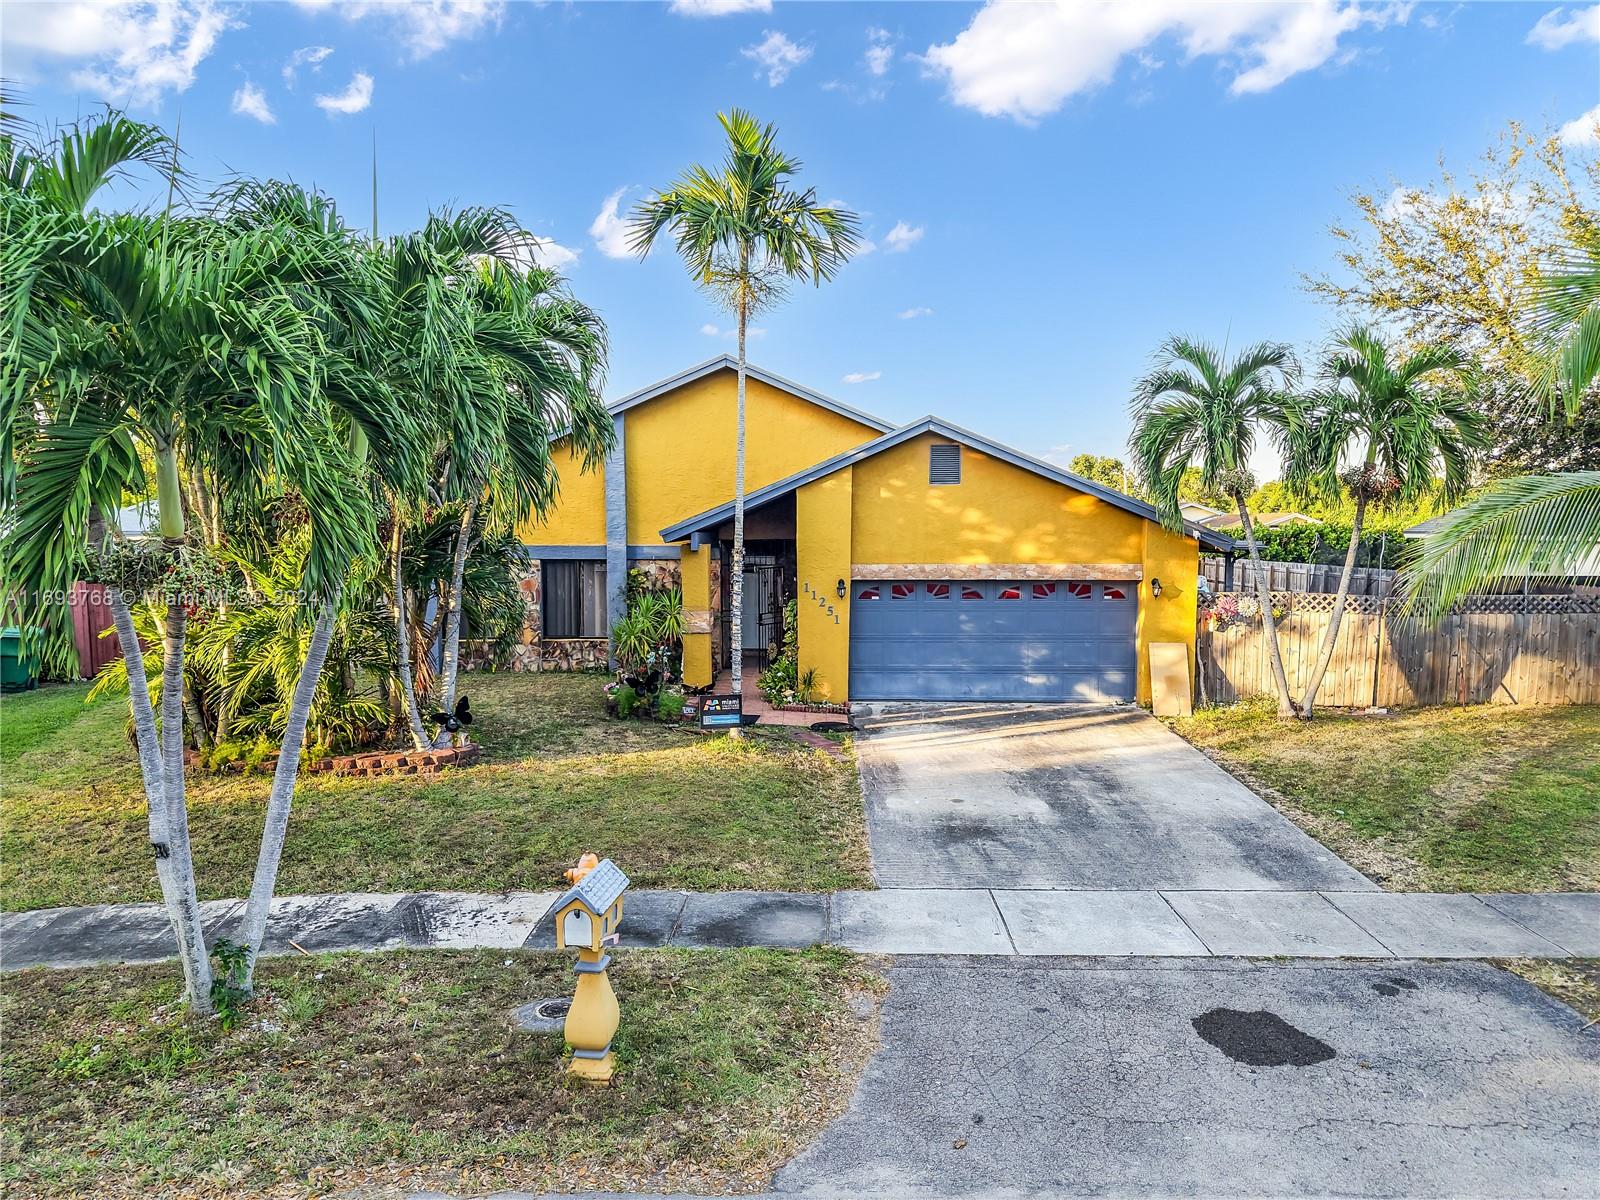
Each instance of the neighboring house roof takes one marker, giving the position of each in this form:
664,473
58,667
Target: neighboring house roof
1195,511
1425,529
727,362
1224,520
711,518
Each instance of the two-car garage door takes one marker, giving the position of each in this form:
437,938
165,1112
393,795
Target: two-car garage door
1061,640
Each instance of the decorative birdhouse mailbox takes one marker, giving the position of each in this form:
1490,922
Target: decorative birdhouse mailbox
587,916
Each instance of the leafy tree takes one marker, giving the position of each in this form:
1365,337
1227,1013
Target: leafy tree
1396,421
745,234
1458,263
1197,410
1532,524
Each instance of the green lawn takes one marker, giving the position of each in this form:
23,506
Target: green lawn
404,1069
674,808
1486,798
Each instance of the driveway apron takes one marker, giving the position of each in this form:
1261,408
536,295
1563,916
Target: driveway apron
1071,797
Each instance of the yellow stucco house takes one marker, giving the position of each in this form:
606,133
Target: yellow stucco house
927,561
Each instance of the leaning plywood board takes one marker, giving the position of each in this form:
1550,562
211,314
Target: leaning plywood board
1170,691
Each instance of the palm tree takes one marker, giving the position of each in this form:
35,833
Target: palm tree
1196,409
1530,524
1396,425
499,358
542,357
744,234
130,335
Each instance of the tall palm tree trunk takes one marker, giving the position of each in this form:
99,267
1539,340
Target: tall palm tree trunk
254,930
408,687
736,614
191,934
1286,705
177,886
452,620
1339,599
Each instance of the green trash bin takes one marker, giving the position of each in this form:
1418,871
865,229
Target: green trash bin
18,673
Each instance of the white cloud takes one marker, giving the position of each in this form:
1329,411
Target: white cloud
752,333
880,51
777,56
1559,28
306,56
609,229
903,236
130,52
865,246
718,8
1584,130
911,314
424,27
352,100
548,252
863,376
1025,61
251,101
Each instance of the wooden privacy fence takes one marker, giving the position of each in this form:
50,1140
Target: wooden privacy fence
1491,650
1297,577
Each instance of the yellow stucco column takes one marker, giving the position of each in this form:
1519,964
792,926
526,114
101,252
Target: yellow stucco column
1170,617
696,569
822,536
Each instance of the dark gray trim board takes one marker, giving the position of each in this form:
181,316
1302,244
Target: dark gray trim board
711,518
669,553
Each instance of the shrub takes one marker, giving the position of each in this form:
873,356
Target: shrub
669,706
780,682
627,700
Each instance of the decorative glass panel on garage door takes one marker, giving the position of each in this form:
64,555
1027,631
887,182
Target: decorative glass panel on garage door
1061,640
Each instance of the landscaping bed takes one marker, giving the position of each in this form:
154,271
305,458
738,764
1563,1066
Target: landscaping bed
405,1069
1484,798
675,808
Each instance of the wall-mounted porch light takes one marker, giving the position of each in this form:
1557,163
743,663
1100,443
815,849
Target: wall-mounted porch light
1155,587
842,588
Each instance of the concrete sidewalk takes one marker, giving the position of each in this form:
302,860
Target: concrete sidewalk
1171,924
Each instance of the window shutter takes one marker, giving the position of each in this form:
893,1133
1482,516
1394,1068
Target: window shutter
944,463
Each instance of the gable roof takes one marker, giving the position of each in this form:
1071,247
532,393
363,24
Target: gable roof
711,518
727,362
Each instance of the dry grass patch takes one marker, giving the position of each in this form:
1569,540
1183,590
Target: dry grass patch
1486,798
376,1072
1573,981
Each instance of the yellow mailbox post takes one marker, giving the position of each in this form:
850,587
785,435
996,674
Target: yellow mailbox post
587,916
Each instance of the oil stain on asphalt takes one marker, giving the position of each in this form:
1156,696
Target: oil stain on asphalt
1394,987
1260,1039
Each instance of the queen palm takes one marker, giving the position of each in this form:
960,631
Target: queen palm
1198,409
130,335
1530,524
1388,430
745,234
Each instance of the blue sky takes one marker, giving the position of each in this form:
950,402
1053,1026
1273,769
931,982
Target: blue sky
1050,189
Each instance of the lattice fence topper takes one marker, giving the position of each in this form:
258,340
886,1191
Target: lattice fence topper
1510,604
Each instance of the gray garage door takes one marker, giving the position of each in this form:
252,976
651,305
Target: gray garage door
1062,640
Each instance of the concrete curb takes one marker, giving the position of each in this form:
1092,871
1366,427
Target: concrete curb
898,921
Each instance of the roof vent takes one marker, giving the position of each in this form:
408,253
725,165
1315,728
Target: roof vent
944,463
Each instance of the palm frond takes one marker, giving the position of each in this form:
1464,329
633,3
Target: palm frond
1530,525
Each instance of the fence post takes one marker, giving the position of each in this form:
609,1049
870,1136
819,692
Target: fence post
1377,649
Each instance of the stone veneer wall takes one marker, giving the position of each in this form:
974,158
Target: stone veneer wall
535,652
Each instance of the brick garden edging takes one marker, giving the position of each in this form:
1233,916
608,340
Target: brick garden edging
377,762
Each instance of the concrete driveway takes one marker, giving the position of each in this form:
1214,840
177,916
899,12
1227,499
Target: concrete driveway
1071,797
